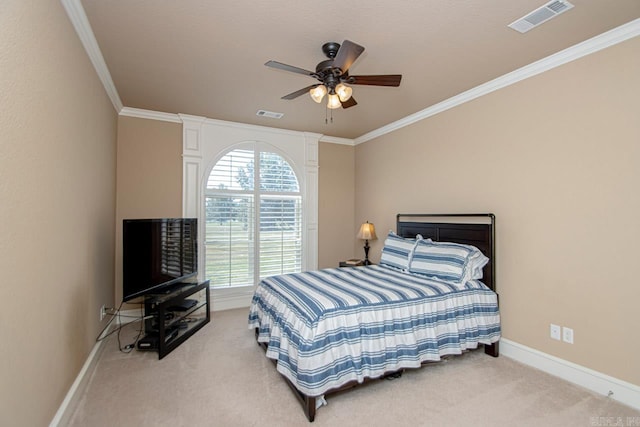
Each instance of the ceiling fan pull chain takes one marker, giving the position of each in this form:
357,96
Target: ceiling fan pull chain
326,120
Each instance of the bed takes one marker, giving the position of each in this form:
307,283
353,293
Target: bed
431,296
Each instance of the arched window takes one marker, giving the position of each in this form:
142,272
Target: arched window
253,218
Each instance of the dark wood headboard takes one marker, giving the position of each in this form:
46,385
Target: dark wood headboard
469,229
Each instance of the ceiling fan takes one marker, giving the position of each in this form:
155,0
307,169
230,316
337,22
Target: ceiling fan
333,75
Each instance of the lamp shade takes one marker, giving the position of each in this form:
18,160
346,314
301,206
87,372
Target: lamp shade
317,93
367,232
333,102
344,92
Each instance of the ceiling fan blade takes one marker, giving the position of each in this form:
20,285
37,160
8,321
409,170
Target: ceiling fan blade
285,67
347,54
349,103
294,95
382,80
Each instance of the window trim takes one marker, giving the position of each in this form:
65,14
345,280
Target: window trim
205,140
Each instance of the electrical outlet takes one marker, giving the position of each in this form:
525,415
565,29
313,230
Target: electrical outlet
103,312
554,332
567,335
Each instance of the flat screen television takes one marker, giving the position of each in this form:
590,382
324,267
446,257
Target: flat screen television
157,253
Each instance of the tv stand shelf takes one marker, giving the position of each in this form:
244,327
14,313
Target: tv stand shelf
172,317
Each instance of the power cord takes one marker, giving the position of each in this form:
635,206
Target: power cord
118,314
100,336
128,348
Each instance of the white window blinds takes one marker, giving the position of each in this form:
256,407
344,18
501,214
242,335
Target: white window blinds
253,209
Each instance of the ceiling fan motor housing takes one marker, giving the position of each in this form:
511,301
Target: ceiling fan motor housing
330,49
328,74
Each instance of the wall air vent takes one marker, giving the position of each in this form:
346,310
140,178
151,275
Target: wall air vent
540,15
270,114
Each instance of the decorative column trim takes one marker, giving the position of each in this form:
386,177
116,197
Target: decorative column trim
311,192
191,164
191,170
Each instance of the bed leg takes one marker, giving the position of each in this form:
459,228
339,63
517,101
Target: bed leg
309,407
493,349
308,403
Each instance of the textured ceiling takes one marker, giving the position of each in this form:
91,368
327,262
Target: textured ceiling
206,58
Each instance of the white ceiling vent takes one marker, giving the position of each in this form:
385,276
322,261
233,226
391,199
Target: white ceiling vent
270,114
540,15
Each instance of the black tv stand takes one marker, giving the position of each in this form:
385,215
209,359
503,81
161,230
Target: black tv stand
151,341
185,305
171,318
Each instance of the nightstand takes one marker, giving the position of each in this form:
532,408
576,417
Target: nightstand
352,263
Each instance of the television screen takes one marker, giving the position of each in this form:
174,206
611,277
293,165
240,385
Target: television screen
157,253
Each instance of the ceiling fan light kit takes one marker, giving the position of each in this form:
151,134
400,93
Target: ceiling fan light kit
318,92
333,73
341,94
343,91
333,102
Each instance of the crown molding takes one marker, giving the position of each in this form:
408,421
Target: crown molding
81,24
256,128
150,114
336,140
602,41
181,118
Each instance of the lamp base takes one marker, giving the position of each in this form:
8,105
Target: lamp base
366,253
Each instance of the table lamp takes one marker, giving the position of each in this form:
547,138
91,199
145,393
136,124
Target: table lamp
367,232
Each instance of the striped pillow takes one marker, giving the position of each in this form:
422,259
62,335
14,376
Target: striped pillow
476,263
397,251
448,261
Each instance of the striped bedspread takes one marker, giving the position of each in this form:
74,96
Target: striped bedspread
328,327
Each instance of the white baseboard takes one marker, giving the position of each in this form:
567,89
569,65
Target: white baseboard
70,402
227,301
621,391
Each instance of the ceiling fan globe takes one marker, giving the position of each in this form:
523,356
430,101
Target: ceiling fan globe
344,92
318,92
333,102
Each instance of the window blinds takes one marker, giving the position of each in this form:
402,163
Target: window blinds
253,210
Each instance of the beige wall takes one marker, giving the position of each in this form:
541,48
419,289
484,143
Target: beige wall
557,159
336,226
149,181
57,208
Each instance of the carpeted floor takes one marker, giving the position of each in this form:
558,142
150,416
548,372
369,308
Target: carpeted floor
221,377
